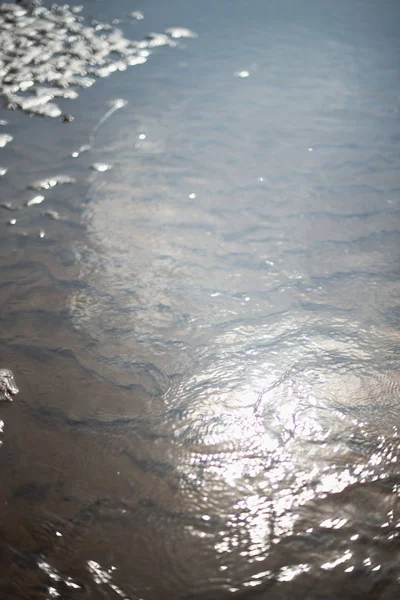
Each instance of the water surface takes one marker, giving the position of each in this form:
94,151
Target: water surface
206,333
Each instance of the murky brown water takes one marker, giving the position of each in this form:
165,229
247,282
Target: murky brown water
201,309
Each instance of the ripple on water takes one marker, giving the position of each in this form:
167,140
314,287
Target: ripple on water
210,388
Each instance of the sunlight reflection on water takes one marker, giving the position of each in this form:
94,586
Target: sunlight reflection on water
207,337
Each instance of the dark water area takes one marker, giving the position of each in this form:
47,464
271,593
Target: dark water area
202,315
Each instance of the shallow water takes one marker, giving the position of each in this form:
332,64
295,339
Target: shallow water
205,330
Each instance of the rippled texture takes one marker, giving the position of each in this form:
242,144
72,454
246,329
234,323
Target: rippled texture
206,341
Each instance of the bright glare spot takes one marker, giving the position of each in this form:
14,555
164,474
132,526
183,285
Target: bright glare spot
5,138
101,167
99,574
180,32
52,573
311,149
118,103
289,573
192,196
142,136
242,74
336,482
35,200
333,523
136,14
334,563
